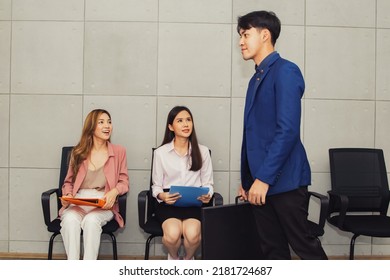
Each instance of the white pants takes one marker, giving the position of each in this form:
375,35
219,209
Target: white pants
87,218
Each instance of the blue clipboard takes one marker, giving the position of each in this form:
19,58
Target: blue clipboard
189,195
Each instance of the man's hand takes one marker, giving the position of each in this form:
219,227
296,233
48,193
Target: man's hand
258,192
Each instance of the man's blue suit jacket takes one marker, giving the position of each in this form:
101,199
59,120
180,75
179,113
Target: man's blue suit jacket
272,150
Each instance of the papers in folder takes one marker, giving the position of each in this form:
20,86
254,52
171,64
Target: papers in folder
189,195
97,202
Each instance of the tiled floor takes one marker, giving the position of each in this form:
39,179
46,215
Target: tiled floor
30,256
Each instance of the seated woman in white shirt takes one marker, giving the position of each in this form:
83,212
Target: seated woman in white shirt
181,161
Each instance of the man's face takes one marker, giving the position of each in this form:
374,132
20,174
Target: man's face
251,43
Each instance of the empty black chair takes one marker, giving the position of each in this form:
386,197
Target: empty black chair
147,206
359,197
53,225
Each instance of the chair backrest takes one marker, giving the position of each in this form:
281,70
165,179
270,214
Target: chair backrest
152,204
359,173
65,158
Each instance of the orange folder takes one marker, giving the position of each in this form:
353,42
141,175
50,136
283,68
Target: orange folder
97,202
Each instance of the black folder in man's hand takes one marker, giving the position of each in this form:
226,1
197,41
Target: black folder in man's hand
229,233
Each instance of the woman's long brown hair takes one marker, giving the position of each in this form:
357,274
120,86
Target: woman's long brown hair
196,157
82,150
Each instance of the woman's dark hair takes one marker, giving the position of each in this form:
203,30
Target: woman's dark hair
196,157
261,19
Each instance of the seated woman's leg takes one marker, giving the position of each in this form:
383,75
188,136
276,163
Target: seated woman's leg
92,229
172,232
192,237
71,230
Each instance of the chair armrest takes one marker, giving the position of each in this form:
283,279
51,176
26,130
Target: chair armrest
343,200
45,200
122,201
218,199
142,207
385,203
324,205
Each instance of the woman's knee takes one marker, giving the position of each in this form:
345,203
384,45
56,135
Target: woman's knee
172,232
96,219
193,239
91,222
172,235
192,235
70,219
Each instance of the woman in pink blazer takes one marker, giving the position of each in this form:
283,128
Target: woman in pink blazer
98,169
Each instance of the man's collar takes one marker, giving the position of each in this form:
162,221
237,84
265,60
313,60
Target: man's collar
267,60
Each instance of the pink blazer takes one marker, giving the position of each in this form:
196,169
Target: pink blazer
116,174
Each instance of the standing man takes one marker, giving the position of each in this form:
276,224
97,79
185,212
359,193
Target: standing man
275,171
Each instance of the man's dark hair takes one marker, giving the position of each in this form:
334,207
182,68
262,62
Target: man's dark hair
260,20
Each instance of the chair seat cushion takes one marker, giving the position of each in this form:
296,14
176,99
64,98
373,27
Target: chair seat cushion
111,226
152,226
369,225
54,226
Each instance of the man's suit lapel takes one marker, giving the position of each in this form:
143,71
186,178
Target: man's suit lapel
258,79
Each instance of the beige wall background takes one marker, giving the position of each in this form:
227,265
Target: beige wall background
61,58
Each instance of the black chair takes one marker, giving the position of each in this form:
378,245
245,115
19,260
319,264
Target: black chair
359,197
147,220
53,225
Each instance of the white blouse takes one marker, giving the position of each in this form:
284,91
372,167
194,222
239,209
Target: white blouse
172,169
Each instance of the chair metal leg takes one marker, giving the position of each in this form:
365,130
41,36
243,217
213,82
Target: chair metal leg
147,246
112,236
352,247
114,247
51,242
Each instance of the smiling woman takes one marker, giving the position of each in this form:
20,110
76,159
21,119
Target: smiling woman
180,161
98,169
